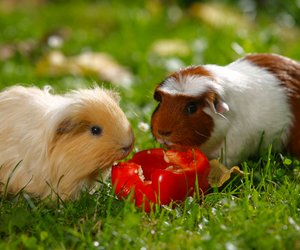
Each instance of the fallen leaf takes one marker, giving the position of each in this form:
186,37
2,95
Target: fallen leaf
219,174
56,64
219,15
103,65
171,47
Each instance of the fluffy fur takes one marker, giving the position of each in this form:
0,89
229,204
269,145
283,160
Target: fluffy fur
255,98
46,143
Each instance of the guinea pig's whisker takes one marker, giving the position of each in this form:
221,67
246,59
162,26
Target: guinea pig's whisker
197,132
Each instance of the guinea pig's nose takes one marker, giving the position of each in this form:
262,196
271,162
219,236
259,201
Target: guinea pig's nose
164,133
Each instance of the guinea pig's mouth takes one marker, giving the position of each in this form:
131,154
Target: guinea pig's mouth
124,151
173,145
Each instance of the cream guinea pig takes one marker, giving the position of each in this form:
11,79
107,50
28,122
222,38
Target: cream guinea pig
56,144
252,102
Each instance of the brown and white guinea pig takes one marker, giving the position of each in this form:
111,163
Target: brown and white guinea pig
57,144
236,108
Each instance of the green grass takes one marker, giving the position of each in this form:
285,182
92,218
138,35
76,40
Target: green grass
258,211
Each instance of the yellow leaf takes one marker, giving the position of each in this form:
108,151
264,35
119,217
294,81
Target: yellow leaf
171,47
102,65
219,174
219,15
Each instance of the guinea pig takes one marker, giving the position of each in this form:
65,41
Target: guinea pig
233,110
56,145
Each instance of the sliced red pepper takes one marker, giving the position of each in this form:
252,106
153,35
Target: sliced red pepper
159,176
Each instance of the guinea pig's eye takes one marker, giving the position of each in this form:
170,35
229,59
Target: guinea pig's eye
191,108
157,96
96,130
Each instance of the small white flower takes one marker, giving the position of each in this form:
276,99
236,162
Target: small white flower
230,246
96,243
200,226
55,41
144,127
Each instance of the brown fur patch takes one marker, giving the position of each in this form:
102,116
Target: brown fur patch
172,123
194,70
68,127
288,72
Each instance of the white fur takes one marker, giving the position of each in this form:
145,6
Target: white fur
188,85
257,105
30,156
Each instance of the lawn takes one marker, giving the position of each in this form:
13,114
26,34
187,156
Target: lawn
147,40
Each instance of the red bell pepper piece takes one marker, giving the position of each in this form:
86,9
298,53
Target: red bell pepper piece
159,176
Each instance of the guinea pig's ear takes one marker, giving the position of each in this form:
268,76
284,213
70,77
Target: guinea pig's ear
216,104
65,126
157,96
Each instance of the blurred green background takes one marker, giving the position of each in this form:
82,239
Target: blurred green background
202,32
